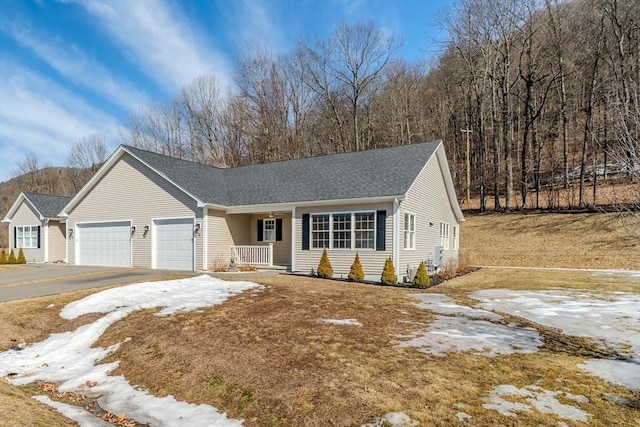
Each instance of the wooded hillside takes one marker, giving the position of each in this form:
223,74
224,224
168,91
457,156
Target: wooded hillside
545,91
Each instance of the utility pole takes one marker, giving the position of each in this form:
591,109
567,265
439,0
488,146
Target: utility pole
468,131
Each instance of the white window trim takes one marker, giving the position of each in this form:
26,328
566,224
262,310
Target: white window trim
405,231
264,230
23,229
353,230
455,238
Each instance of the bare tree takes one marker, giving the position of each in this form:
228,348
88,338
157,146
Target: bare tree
85,158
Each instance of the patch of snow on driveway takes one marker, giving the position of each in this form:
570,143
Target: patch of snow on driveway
544,401
69,359
611,319
460,328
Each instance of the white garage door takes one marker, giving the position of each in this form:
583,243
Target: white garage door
173,244
105,244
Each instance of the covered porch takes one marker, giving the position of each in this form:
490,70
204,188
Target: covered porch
261,239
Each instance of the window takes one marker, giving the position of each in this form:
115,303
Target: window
269,230
365,230
444,235
409,231
344,230
320,231
454,243
26,237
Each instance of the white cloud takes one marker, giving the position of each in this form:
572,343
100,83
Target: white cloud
76,66
161,41
38,116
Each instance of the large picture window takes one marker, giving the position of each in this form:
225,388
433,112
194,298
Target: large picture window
344,230
26,237
409,231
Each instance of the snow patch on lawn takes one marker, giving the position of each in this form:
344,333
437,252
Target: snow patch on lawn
461,328
75,413
344,322
394,419
545,401
69,359
611,319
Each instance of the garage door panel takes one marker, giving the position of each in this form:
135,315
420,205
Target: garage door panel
104,244
173,244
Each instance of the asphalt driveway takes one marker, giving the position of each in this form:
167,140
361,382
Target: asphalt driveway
37,280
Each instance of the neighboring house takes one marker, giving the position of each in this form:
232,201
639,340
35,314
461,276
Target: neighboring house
35,226
143,209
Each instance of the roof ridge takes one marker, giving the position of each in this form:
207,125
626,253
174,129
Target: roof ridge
44,194
193,162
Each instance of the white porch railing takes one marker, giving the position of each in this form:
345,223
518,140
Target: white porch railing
253,255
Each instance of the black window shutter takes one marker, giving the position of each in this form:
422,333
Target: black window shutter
260,230
305,232
38,237
381,220
278,229
15,237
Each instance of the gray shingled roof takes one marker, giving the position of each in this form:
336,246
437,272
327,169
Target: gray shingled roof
361,174
49,206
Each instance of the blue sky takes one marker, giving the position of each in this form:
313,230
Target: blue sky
72,68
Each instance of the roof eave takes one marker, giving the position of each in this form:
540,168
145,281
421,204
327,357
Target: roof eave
288,206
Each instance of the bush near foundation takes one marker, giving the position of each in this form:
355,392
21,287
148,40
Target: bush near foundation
324,267
389,273
421,279
12,258
3,257
357,273
21,259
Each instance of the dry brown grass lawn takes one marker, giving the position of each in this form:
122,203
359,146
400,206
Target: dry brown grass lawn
263,357
588,240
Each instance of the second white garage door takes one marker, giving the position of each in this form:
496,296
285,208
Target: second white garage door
173,243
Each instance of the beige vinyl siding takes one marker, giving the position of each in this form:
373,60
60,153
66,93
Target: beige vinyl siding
57,241
282,249
341,259
427,198
223,232
26,216
130,191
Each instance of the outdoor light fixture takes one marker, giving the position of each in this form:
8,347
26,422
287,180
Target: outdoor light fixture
197,228
133,229
430,224
145,230
70,232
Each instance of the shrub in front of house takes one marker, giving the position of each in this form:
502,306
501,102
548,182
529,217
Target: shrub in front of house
12,258
21,259
324,267
3,257
389,273
357,273
421,279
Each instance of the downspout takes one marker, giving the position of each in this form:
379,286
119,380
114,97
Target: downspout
395,250
205,238
45,224
293,239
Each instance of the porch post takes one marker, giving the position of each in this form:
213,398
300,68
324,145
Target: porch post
270,254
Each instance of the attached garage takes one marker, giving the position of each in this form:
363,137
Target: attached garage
104,244
173,243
